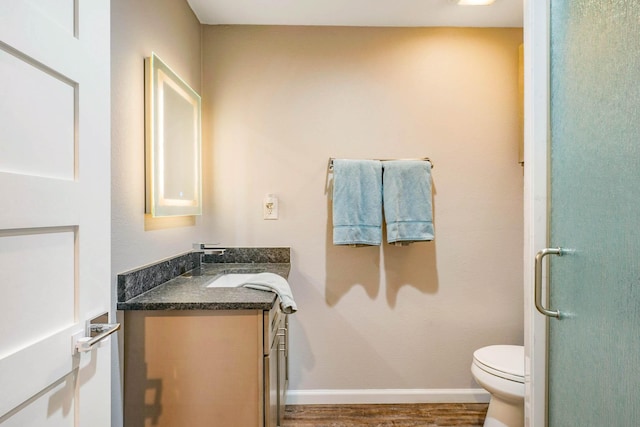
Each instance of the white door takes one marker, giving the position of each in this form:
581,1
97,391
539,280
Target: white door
55,210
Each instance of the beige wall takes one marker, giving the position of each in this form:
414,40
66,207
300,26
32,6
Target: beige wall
279,101
170,29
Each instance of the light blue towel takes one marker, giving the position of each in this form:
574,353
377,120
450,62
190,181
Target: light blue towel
407,200
357,202
274,283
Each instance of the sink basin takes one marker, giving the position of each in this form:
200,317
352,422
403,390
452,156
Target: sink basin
230,280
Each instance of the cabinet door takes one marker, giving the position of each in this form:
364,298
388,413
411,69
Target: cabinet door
193,368
271,387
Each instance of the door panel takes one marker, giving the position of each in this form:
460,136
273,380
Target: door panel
48,99
594,349
56,251
61,12
54,223
50,408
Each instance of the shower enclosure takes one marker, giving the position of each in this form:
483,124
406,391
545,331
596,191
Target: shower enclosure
591,212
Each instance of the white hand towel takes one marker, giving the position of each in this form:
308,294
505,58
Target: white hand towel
274,283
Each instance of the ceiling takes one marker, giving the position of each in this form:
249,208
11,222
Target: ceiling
386,13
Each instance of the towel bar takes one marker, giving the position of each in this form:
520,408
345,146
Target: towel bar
425,159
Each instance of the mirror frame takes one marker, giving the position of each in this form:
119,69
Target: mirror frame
163,136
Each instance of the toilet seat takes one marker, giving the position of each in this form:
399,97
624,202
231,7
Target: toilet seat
504,361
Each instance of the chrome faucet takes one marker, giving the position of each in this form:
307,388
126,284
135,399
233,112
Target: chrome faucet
208,249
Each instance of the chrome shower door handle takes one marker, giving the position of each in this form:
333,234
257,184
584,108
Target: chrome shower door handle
538,281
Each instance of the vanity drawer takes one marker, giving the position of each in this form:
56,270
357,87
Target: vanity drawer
273,320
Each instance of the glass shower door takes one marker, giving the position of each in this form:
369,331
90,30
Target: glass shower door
594,347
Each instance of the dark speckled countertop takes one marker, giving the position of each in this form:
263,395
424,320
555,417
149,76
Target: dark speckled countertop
189,292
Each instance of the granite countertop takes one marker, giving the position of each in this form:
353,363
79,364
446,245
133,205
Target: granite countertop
188,291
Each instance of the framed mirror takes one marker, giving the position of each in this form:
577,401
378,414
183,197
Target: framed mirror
173,143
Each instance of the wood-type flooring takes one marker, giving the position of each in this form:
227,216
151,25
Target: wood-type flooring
404,415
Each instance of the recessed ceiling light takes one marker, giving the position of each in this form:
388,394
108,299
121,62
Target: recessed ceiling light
475,2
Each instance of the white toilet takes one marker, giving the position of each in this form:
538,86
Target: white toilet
499,369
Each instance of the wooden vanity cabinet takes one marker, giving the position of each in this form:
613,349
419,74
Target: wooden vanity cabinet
204,368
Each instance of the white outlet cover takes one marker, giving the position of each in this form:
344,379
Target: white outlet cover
270,207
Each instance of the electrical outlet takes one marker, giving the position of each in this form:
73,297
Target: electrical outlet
270,207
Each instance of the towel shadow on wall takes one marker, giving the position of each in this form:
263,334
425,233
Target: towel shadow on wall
346,267
304,325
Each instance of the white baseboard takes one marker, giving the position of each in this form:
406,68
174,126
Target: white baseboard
381,396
